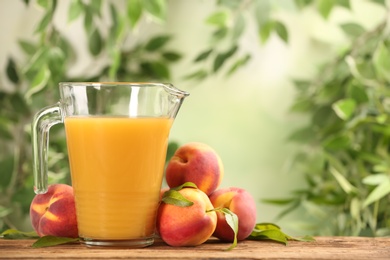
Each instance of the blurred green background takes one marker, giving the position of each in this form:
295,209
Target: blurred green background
293,95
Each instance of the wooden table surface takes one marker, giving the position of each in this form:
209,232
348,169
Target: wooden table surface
323,248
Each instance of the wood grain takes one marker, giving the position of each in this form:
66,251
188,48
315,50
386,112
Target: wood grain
323,248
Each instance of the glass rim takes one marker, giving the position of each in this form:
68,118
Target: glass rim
167,86
112,83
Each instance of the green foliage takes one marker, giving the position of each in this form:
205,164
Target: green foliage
47,241
270,231
345,146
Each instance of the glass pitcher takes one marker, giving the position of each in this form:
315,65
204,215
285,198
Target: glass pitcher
117,135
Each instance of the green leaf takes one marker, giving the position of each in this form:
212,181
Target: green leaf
302,85
278,201
222,57
44,3
375,179
378,193
336,142
265,226
57,62
88,21
157,42
19,104
302,105
358,93
4,212
75,10
265,31
45,21
381,61
95,42
134,12
171,56
197,75
156,8
50,6
302,239
270,231
301,135
47,241
16,234
116,59
342,181
114,16
27,47
232,221
218,19
239,27
39,82
281,30
12,72
187,184
325,7
269,234
203,55
5,131
36,62
219,61
117,31
174,197
219,34
380,2
161,70
352,29
354,208
239,63
96,6
344,108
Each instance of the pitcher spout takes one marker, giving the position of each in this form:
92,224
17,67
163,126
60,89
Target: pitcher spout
175,99
175,91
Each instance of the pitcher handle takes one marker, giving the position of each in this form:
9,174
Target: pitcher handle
41,124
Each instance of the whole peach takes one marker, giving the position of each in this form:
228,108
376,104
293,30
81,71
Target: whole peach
187,226
198,163
53,213
240,202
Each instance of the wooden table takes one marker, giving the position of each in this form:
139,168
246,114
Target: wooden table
323,248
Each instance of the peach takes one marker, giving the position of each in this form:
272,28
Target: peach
240,202
197,163
53,213
187,226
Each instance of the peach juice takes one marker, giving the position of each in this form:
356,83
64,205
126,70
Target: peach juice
117,167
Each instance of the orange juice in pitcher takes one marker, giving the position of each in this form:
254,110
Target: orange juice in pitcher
116,168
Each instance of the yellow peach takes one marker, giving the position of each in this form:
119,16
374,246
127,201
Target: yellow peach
53,213
240,202
187,226
198,163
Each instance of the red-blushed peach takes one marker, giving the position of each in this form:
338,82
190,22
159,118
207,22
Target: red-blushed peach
198,163
54,213
240,202
187,226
